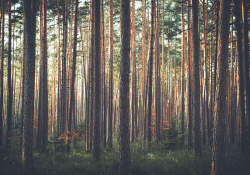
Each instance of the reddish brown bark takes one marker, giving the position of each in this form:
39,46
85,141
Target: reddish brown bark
218,157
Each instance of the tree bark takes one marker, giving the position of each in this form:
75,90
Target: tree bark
218,157
124,150
59,87
1,74
245,8
72,87
189,89
209,129
232,85
182,72
238,18
64,90
111,47
97,106
196,80
29,73
150,62
9,95
103,81
45,82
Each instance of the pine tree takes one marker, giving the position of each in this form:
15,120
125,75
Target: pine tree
111,47
29,73
150,73
196,80
10,95
1,72
124,150
218,157
97,67
72,87
238,18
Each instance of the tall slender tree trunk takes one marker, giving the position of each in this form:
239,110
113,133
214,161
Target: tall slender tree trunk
97,106
24,68
245,8
72,87
217,8
206,78
124,150
45,82
92,73
232,87
144,69
189,90
59,87
29,73
150,62
133,55
42,129
1,74
162,77
157,75
182,72
10,92
87,92
64,90
41,92
238,18
211,80
218,157
196,80
103,104
111,47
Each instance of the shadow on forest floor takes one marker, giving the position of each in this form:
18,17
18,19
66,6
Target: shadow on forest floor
145,161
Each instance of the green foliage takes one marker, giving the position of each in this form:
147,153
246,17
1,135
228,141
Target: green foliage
146,161
173,139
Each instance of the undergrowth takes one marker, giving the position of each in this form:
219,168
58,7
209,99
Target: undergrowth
146,161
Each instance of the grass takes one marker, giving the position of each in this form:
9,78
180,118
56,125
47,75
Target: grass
146,161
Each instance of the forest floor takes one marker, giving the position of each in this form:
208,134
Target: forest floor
144,161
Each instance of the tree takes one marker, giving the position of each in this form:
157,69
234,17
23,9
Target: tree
1,73
64,91
23,78
124,150
182,72
217,8
162,77
97,106
133,56
10,96
92,73
189,89
157,76
245,8
238,18
218,157
103,84
232,85
59,116
144,70
206,77
196,78
209,129
150,74
111,47
72,87
42,129
29,73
